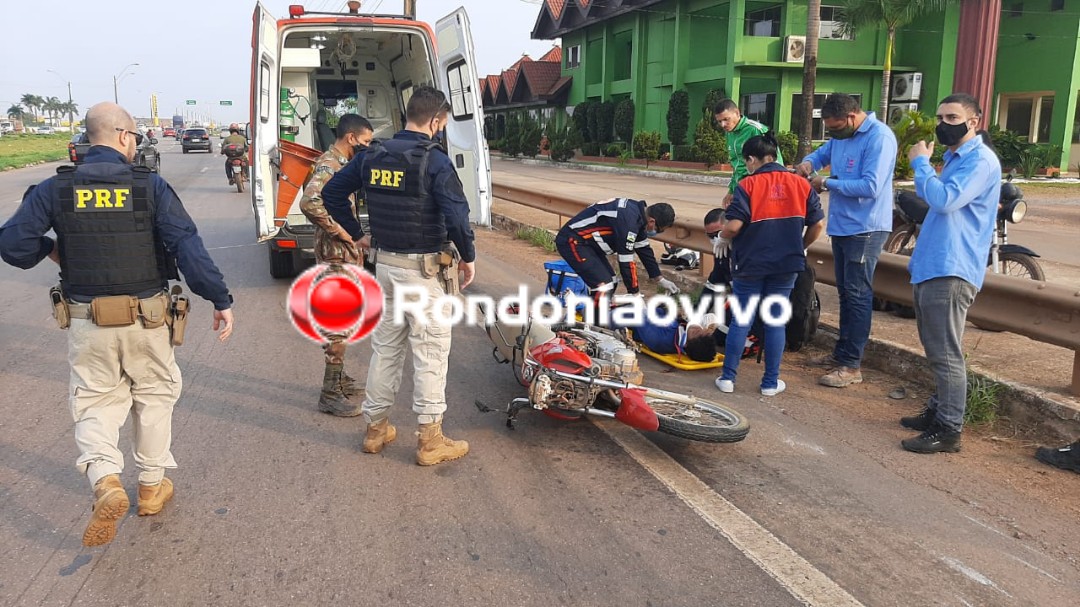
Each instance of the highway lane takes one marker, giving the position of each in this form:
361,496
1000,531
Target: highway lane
276,505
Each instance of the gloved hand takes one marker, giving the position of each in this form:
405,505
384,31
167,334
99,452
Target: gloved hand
668,286
721,247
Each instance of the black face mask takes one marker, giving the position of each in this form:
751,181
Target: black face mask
356,149
950,134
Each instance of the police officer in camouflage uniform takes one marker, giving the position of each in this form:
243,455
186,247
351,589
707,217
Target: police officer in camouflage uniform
333,245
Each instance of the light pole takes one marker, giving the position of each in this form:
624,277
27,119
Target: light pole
117,78
71,119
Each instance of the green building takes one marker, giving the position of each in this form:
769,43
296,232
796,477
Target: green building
752,50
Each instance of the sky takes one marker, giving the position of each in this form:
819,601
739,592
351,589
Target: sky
195,49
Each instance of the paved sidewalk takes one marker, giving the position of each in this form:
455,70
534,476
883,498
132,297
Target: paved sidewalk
1036,375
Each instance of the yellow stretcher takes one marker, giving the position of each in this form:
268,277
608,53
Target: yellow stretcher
683,363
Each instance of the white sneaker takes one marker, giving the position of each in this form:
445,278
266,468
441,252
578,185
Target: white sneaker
780,387
726,385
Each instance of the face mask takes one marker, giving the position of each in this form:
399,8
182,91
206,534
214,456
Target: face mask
845,133
950,134
651,233
356,149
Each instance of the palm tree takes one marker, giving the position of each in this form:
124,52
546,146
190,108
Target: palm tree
813,30
70,108
52,106
31,101
888,15
16,112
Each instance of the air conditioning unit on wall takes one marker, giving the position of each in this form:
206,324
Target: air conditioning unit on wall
906,87
794,49
897,111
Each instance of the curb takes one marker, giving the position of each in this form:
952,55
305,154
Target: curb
1040,414
683,177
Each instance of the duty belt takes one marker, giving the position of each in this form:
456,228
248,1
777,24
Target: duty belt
408,261
82,310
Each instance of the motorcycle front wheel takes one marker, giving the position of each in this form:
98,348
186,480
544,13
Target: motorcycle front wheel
705,421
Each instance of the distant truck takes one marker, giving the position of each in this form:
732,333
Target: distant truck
178,122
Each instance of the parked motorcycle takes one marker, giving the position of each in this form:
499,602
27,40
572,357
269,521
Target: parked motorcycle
909,212
235,155
573,369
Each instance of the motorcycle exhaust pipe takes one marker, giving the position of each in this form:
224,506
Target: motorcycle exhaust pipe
618,385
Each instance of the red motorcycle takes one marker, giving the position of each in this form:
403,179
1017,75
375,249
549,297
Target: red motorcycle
237,163
573,369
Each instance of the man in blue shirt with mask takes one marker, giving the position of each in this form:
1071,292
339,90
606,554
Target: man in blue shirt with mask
861,155
949,262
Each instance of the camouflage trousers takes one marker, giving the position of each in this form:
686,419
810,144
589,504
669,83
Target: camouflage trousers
330,250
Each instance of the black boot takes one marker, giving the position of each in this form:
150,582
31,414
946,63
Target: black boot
920,422
1066,458
333,400
935,439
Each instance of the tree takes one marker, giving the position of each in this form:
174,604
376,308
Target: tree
648,146
51,105
711,99
531,136
593,117
888,15
809,83
605,118
512,141
709,145
678,119
624,121
33,103
561,142
580,121
16,112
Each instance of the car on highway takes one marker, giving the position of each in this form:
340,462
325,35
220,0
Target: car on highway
169,132
224,132
196,139
46,130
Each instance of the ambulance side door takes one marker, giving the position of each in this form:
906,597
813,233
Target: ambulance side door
465,128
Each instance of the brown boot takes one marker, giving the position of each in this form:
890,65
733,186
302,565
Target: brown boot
379,435
110,505
434,448
841,377
333,400
350,387
152,498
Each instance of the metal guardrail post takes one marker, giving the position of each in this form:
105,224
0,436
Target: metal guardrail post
1046,312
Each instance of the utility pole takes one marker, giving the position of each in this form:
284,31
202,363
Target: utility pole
71,118
116,79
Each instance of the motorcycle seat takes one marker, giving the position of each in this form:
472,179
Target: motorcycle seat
911,205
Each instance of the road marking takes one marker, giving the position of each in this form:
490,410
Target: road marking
1022,561
971,574
804,581
203,170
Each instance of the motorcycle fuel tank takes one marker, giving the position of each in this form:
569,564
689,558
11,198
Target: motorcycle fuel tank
557,355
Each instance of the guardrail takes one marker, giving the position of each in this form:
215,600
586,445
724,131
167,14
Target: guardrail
1046,312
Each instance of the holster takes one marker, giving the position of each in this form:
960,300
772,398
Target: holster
429,265
114,310
448,269
60,307
179,306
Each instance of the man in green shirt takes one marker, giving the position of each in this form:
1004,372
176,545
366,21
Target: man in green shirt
739,130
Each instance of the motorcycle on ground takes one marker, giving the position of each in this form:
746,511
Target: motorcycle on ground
909,212
574,369
235,155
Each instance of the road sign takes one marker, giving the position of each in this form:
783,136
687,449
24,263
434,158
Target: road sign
225,102
191,102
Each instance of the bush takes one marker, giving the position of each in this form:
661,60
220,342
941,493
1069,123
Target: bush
682,153
709,145
512,142
531,136
914,127
580,121
500,126
614,149
605,119
711,99
1009,146
561,143
489,127
647,146
1030,161
624,121
678,117
590,148
789,145
593,117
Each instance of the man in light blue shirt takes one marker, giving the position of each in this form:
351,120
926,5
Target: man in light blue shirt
862,155
949,262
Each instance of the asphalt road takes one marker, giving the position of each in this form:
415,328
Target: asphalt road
276,505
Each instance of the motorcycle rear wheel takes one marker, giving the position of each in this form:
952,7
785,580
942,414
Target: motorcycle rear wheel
1020,265
239,180
707,421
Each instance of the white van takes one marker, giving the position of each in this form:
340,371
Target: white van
351,62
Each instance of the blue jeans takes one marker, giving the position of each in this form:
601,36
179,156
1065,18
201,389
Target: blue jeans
744,289
855,259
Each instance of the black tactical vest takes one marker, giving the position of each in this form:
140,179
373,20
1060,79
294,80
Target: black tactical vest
105,231
403,215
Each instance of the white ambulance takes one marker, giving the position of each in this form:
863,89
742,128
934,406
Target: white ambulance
310,67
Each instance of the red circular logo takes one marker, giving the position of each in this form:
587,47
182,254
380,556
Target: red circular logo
338,299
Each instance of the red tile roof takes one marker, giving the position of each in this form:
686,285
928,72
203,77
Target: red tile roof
493,82
556,7
517,64
540,75
555,54
509,82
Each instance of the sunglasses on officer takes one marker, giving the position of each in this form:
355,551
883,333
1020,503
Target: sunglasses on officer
138,136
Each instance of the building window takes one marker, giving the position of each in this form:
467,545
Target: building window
760,107
622,50
1057,5
1028,116
573,56
831,28
1016,9
817,129
763,22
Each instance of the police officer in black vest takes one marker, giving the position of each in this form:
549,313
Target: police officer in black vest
121,232
416,205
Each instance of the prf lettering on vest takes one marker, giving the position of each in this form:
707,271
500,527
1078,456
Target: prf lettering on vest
112,198
387,179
